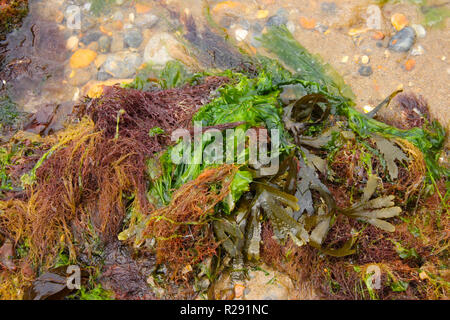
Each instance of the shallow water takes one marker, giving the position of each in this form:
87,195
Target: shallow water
38,70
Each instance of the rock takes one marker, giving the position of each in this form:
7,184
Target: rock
120,2
256,27
321,28
93,89
146,21
241,34
403,40
93,46
307,23
133,38
78,77
116,42
261,14
141,8
122,64
158,47
410,64
364,59
102,76
420,30
72,43
290,26
104,44
82,58
365,71
328,7
417,51
91,37
278,19
378,35
101,58
118,16
399,21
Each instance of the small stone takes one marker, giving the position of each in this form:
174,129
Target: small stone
133,38
403,40
156,49
118,16
344,59
72,43
241,34
82,58
91,37
420,30
120,2
141,8
78,77
417,51
410,64
290,26
328,7
261,14
307,23
280,18
116,42
146,21
122,65
101,58
367,108
378,35
321,28
365,71
131,17
365,59
226,5
104,43
102,76
93,46
399,21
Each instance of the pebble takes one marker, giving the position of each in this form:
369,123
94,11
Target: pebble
399,21
321,28
118,16
290,26
103,75
78,77
116,42
82,58
72,43
410,64
420,30
403,40
280,18
93,46
141,8
328,7
378,35
344,59
122,64
417,50
367,108
365,59
104,43
156,48
101,58
133,38
90,37
307,23
241,34
146,20
261,14
365,71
